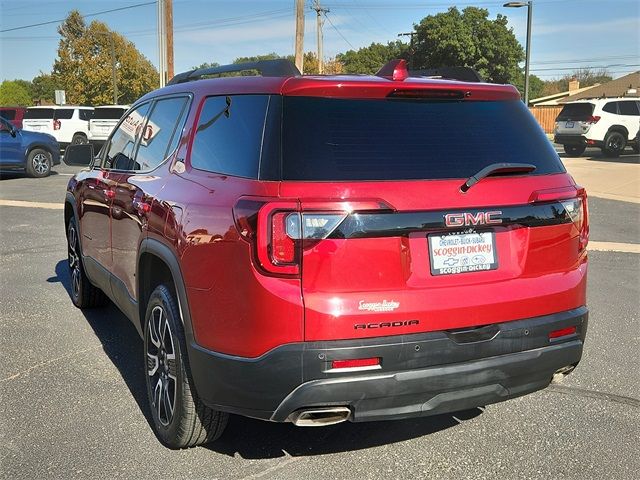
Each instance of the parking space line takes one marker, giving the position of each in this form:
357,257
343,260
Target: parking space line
25,204
614,247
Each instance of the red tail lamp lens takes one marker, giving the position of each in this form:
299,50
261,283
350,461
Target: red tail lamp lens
563,332
283,247
356,363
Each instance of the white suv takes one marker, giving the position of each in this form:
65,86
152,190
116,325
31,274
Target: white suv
68,124
104,119
608,123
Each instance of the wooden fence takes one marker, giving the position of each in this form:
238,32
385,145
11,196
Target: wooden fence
546,116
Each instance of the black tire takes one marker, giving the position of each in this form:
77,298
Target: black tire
574,150
39,163
614,144
189,422
83,293
79,139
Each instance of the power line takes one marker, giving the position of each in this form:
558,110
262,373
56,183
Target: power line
338,31
591,67
84,16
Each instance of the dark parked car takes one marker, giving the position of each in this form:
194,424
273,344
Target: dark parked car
13,114
33,152
315,249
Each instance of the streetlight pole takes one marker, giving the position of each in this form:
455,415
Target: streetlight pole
529,6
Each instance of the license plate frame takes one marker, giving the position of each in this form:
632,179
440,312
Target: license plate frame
465,252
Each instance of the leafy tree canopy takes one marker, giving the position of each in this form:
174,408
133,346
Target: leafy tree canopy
84,64
370,59
469,38
14,93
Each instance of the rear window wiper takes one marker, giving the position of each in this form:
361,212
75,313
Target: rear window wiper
496,168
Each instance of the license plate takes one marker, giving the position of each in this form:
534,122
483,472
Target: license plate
462,253
569,125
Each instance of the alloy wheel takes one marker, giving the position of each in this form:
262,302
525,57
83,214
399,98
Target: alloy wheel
161,365
74,261
40,163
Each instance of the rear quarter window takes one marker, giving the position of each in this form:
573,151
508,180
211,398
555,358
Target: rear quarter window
628,108
229,136
328,139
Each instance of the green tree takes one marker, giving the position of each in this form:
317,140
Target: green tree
84,64
43,87
14,93
370,59
206,65
469,38
536,85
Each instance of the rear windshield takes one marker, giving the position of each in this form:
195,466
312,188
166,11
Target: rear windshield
8,114
108,113
38,114
337,139
576,111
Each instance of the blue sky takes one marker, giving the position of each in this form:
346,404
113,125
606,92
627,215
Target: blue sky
567,34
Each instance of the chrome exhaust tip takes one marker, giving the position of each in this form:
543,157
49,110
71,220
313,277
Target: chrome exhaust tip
320,417
559,374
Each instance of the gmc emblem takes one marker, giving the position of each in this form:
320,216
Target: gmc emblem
466,219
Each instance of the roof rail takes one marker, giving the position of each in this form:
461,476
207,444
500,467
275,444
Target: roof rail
279,67
465,74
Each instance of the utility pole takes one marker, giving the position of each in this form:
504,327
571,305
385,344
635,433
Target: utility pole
162,46
411,49
114,78
168,25
299,54
319,22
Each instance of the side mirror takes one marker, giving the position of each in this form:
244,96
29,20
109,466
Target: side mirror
79,155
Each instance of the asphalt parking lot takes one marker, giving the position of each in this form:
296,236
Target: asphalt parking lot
73,404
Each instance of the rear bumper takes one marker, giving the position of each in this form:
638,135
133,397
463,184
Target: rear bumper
579,140
422,374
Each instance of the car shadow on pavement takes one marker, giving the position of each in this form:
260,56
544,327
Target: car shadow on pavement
257,439
119,338
246,437
597,156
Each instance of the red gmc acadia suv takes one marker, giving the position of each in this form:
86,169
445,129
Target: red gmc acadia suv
316,249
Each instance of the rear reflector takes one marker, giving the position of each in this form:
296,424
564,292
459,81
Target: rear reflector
356,363
563,332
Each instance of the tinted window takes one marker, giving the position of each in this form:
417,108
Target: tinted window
336,139
4,124
611,107
84,114
38,113
628,108
8,114
229,135
108,113
162,132
576,111
119,154
63,113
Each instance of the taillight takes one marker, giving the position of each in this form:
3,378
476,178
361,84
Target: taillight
577,209
56,124
280,230
592,120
